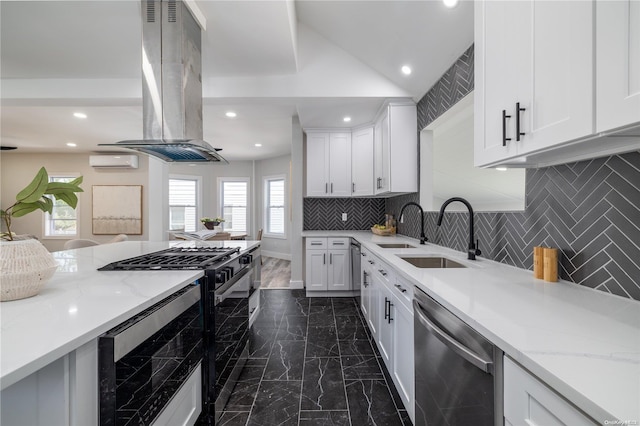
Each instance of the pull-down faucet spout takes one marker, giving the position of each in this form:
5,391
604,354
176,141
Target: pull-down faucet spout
473,250
423,238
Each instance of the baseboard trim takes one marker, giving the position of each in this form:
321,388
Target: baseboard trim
334,293
276,255
296,284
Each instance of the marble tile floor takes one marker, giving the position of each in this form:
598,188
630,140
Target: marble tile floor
275,273
312,363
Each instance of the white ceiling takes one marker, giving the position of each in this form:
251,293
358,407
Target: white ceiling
265,60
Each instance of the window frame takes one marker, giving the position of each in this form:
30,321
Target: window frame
198,180
265,202
45,215
220,182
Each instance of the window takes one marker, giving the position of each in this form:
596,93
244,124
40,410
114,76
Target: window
274,198
234,202
63,220
183,203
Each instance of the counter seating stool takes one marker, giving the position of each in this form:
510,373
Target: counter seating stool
79,243
83,242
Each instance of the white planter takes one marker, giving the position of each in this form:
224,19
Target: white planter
25,267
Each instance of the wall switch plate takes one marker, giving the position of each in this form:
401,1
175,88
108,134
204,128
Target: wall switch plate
344,217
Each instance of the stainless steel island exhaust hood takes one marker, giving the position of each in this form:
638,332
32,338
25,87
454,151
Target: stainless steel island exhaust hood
171,86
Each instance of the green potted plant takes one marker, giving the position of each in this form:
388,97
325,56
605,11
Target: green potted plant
26,265
211,223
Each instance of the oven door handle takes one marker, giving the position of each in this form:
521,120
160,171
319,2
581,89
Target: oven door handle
129,338
450,342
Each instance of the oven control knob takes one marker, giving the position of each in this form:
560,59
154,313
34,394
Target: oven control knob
246,259
221,277
229,271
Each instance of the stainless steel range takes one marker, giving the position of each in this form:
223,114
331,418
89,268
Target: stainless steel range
205,335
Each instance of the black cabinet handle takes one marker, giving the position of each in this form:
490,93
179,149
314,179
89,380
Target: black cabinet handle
332,187
518,132
326,188
390,319
353,187
504,127
324,258
386,305
330,258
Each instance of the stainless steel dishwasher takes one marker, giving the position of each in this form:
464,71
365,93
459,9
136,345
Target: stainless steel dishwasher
458,372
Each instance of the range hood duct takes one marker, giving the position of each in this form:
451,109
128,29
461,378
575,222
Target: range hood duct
171,86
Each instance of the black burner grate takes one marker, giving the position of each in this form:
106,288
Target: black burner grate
175,258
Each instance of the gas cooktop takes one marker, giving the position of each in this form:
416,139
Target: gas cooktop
176,258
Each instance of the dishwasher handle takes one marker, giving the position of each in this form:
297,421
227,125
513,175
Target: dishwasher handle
451,343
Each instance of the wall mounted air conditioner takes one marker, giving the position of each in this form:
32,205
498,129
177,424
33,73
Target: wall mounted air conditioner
114,161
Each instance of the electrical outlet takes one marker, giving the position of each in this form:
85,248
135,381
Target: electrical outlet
344,217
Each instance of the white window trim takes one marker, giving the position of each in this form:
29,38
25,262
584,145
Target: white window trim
219,207
198,180
265,180
77,209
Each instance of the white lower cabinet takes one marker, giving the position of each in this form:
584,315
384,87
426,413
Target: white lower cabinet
64,392
254,306
529,402
328,264
386,306
403,369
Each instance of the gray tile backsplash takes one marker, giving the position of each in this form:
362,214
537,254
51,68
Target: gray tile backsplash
326,213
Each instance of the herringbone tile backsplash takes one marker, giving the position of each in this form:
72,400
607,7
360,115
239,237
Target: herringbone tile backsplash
326,213
589,210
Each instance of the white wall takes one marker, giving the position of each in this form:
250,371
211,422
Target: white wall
274,247
297,180
18,169
210,172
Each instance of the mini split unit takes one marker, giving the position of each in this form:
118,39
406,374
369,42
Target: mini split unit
113,161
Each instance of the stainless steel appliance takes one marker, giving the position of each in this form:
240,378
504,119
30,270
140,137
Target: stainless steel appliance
356,277
458,372
221,347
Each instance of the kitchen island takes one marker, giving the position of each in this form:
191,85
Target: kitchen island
583,343
59,327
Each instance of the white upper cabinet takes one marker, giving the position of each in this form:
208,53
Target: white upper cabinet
396,150
362,162
533,77
618,64
328,164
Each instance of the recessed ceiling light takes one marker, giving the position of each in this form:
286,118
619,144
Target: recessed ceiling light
346,119
71,144
450,3
406,69
231,114
258,145
501,169
79,115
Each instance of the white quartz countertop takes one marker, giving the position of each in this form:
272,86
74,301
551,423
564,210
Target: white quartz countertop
584,343
80,303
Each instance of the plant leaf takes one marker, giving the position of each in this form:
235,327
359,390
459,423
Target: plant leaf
22,209
68,197
46,204
58,187
35,189
77,181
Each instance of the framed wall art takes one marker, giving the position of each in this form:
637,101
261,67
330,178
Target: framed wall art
117,209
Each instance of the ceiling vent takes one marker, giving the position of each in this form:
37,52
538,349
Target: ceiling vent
113,161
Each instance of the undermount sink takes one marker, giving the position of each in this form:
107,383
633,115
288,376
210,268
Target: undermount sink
432,262
396,245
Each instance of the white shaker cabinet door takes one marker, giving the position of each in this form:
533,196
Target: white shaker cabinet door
617,64
317,164
340,165
362,162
